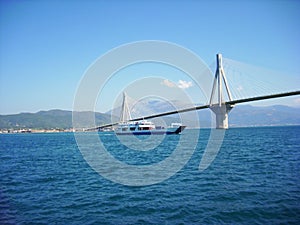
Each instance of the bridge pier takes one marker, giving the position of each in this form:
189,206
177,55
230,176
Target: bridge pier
220,109
221,113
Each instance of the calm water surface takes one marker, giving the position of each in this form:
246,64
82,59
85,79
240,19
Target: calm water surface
255,179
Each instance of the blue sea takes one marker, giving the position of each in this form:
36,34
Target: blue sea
254,179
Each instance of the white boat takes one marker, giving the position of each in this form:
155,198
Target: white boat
145,127
142,127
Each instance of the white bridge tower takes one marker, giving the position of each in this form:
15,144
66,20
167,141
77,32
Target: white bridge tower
221,109
125,115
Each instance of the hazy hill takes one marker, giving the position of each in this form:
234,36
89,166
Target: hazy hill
247,115
241,115
60,119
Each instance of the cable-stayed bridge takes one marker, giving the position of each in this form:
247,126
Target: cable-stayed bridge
221,100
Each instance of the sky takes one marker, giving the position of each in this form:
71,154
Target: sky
47,46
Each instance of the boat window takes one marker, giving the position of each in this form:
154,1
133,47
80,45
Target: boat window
132,128
144,128
124,129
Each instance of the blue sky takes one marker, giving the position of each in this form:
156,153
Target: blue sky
46,46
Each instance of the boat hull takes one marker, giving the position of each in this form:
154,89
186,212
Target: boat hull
169,131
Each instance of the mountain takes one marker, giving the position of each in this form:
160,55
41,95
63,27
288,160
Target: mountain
240,115
58,119
277,115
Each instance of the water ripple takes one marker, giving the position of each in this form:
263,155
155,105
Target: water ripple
255,179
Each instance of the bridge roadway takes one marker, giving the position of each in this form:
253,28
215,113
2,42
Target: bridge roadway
207,106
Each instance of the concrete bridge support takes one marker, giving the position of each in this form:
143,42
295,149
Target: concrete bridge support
219,108
221,113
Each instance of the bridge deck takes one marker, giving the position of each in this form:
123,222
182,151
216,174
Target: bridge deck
264,97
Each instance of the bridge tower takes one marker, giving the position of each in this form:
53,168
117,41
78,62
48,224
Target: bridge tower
220,109
125,112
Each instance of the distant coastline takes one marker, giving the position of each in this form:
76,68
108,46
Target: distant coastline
52,131
54,121
24,131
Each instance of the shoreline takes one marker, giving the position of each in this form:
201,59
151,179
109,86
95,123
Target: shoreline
71,130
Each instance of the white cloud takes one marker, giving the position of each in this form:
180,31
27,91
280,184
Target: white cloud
168,83
180,84
184,84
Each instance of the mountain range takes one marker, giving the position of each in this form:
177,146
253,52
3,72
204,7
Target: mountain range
52,119
240,116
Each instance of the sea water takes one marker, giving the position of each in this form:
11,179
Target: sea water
254,179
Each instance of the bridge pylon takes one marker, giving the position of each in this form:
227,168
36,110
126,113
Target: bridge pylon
125,112
220,108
